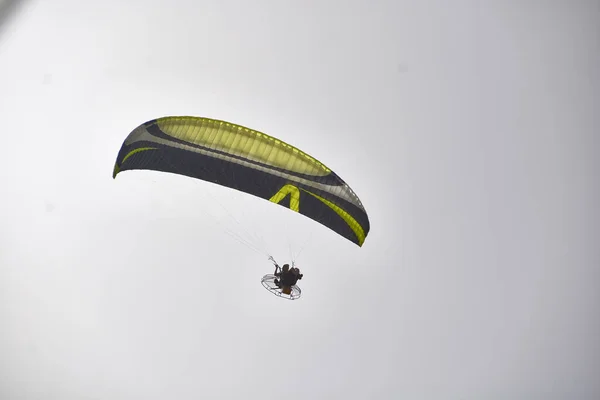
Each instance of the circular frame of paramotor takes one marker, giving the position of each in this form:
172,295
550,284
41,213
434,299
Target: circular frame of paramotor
268,281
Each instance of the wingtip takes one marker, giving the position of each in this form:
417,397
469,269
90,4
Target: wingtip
116,170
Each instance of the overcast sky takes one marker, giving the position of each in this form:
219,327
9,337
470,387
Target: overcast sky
468,129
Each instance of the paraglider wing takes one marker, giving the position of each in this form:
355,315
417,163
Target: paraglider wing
249,161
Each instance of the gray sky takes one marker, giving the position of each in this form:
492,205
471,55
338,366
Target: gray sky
469,131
